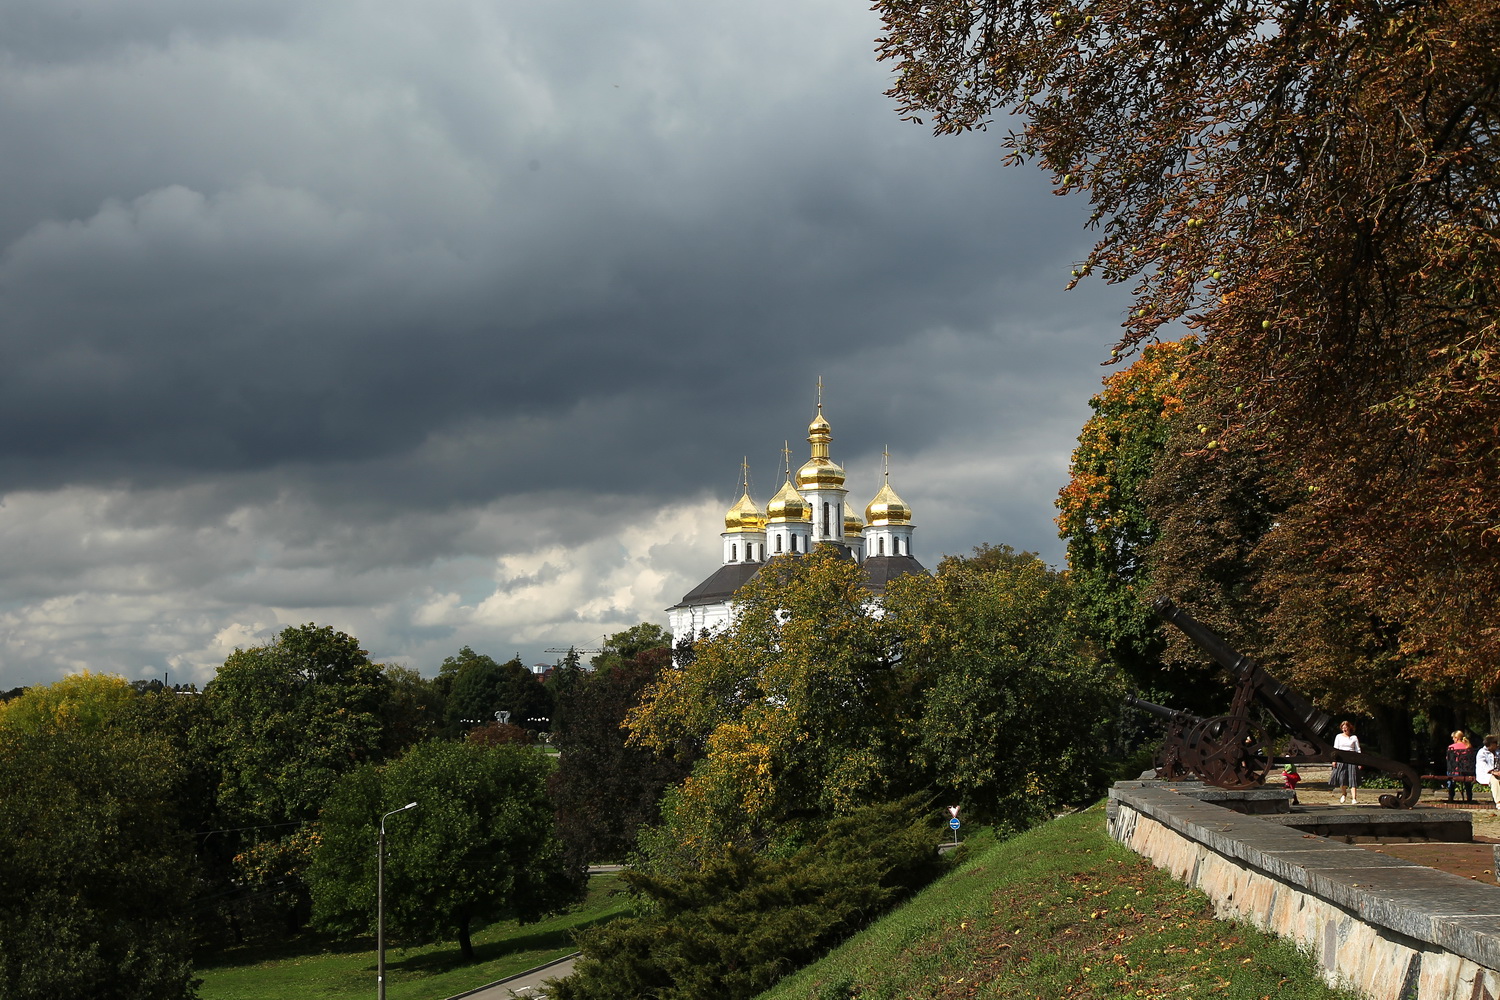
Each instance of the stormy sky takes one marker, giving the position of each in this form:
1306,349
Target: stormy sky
449,323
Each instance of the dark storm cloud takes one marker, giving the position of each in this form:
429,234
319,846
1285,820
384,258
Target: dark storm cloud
339,305
243,324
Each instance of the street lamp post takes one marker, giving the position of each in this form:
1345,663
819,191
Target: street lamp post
380,902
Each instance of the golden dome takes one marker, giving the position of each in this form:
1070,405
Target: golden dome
788,505
745,516
853,526
820,471
888,508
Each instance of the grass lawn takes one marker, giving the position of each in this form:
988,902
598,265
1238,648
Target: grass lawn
313,970
1059,912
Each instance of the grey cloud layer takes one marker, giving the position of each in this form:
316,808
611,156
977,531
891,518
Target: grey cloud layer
377,297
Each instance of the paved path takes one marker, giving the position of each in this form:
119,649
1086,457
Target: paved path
527,984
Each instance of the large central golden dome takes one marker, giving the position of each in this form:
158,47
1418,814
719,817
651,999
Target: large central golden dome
820,471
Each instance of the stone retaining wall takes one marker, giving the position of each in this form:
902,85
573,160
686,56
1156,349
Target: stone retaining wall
1391,929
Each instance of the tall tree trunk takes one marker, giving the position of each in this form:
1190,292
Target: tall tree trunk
465,946
1393,732
1494,706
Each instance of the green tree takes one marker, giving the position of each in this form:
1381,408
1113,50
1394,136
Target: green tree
481,687
1016,708
605,789
794,711
291,717
97,878
185,722
413,711
478,847
736,927
566,674
287,720
623,647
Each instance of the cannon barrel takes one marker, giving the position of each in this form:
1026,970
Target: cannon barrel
1161,710
1289,707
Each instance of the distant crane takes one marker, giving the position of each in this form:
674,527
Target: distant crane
580,652
579,649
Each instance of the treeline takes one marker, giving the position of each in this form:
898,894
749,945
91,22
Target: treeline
1240,537
142,824
778,787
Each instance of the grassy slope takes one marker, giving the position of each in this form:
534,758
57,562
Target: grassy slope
313,972
1059,912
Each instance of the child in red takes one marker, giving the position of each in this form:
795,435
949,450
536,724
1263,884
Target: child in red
1290,776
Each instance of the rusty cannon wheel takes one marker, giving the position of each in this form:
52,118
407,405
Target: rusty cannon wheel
1228,751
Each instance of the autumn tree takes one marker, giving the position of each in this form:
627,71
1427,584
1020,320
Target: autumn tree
1312,186
792,713
1104,514
82,702
1149,512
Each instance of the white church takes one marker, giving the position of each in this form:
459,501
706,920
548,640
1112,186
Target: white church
812,510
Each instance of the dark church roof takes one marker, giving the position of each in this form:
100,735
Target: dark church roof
881,570
722,585
728,579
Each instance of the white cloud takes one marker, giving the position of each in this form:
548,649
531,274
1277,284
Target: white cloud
138,596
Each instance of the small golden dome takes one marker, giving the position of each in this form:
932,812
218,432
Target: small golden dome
853,526
788,505
745,516
888,508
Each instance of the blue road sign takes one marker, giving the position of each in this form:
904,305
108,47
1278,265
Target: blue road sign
953,823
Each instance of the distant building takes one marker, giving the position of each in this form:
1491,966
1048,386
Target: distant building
809,511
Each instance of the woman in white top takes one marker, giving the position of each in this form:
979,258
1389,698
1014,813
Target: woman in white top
1484,767
1345,777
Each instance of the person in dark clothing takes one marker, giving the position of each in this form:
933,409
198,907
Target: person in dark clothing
1461,766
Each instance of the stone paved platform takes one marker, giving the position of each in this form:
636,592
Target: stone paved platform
1380,923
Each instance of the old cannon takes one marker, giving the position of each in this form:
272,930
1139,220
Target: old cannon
1232,751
